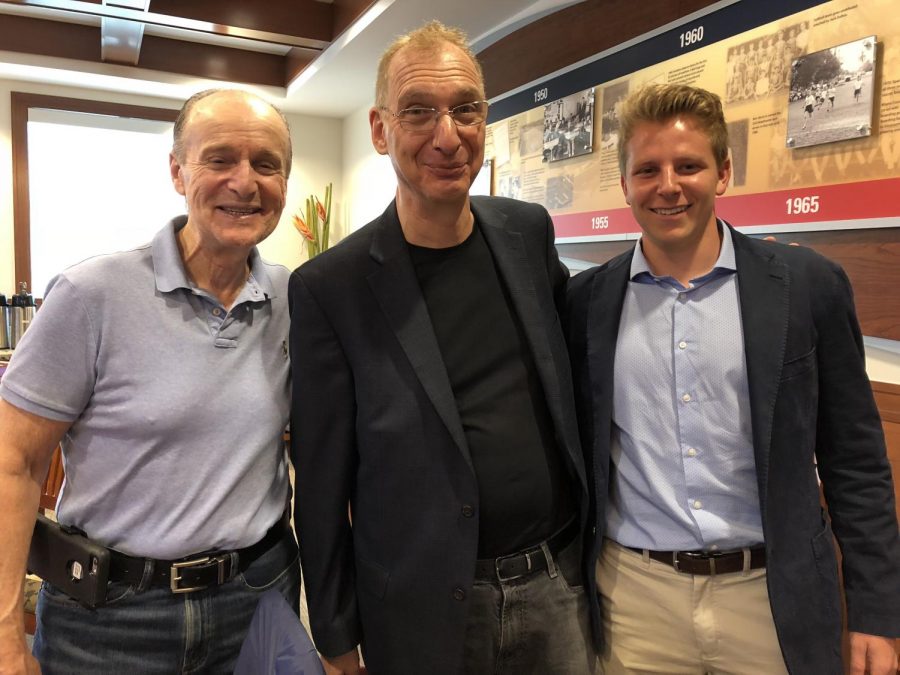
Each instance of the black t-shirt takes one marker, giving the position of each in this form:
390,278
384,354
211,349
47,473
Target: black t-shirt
524,491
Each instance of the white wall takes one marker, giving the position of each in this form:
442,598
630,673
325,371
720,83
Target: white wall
318,148
368,177
317,160
883,360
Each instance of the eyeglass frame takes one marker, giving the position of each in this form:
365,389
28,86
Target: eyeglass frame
436,116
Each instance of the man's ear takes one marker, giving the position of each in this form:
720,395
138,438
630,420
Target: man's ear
175,173
376,126
724,177
625,190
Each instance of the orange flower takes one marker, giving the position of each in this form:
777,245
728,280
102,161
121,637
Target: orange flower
302,228
320,210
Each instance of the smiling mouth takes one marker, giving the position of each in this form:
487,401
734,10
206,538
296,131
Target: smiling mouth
674,211
240,211
448,170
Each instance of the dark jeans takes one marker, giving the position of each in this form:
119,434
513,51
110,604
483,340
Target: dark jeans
151,630
537,624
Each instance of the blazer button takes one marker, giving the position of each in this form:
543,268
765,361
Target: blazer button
459,594
468,511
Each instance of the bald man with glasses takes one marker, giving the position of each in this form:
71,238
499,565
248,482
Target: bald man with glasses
433,398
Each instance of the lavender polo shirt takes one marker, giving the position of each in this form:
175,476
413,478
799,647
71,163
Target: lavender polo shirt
177,405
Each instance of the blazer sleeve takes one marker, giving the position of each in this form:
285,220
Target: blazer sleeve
853,466
558,272
323,452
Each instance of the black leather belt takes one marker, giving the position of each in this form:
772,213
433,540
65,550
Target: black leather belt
528,561
196,572
710,563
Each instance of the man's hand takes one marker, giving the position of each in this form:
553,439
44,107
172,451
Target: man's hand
773,238
872,655
345,664
17,661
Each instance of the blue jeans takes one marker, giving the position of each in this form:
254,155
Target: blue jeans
537,624
148,629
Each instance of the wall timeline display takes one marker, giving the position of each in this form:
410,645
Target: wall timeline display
793,170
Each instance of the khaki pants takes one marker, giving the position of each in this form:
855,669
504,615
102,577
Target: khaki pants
657,620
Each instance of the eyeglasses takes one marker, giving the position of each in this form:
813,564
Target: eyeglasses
419,118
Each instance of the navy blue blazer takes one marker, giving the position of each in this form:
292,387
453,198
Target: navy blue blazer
375,424
811,406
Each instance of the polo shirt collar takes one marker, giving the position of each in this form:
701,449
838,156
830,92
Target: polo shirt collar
168,268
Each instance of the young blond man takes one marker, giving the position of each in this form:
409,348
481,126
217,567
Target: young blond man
714,375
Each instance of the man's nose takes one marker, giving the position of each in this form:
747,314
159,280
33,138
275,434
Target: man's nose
242,179
446,135
668,181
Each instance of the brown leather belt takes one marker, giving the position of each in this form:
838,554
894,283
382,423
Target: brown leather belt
196,572
710,562
527,561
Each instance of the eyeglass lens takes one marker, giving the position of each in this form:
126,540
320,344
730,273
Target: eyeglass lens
466,114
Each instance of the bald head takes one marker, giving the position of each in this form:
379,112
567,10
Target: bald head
429,39
205,102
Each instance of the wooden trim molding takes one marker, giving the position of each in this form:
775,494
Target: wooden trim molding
887,397
21,103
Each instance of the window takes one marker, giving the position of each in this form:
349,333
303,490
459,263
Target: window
91,177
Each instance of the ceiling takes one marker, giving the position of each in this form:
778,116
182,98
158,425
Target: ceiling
309,56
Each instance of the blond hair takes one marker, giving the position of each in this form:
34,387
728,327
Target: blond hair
429,39
662,102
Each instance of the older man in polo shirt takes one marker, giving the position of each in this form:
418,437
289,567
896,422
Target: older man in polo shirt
163,372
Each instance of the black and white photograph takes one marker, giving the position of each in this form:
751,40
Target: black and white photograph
569,126
609,114
761,67
560,192
531,141
738,141
831,94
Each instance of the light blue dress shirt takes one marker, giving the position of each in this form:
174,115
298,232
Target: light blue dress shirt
684,474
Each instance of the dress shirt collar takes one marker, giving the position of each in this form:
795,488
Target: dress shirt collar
725,264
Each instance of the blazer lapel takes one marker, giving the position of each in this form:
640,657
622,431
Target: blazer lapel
532,306
508,250
397,291
764,291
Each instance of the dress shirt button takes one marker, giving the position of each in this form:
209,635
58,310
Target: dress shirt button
459,594
692,452
217,312
697,504
686,398
682,345
468,511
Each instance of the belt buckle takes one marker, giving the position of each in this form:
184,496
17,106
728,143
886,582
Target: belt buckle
527,571
697,555
175,577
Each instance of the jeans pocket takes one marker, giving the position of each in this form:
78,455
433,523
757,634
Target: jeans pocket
568,562
264,574
116,591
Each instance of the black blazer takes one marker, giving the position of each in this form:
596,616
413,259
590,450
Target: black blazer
375,425
810,402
